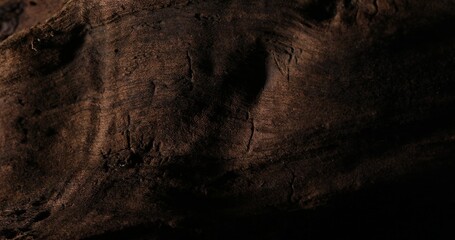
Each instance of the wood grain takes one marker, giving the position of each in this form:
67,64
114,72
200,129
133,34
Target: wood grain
178,119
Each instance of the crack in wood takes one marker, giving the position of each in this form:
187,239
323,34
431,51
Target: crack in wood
128,134
376,7
190,66
250,141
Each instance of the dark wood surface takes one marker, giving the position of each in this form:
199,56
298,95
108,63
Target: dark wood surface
264,119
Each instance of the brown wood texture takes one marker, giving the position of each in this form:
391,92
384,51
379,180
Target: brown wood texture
264,119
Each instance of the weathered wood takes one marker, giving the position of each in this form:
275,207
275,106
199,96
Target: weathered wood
184,118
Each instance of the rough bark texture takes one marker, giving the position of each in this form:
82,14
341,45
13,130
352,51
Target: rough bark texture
264,119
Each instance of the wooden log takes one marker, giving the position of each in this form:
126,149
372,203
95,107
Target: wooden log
226,119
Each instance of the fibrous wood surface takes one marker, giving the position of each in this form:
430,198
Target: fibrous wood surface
226,119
